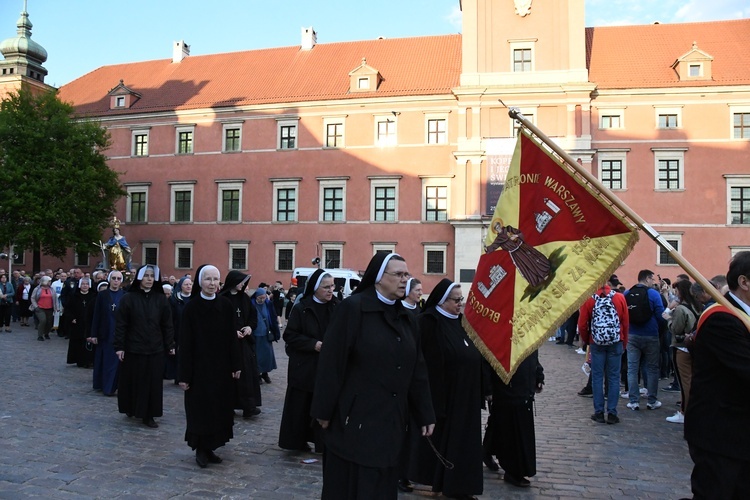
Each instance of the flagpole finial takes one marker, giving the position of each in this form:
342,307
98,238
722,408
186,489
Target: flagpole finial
514,112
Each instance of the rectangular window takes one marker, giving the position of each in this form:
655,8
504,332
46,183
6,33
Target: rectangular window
610,173
120,101
238,258
385,203
669,174
288,137
333,204
230,205
435,262
739,204
334,135
231,139
140,144
611,121
184,258
332,258
182,206
436,203
137,206
521,60
694,70
741,125
150,255
363,83
664,259
385,132
436,131
185,142
285,259
82,259
668,121
286,204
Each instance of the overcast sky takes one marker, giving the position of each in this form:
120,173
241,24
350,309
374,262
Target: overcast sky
82,35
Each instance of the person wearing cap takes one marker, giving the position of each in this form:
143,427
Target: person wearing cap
458,389
143,331
371,375
209,365
304,340
106,364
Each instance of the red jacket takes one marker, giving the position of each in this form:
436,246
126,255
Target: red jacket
621,306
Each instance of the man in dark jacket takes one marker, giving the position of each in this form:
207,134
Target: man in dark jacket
143,331
718,414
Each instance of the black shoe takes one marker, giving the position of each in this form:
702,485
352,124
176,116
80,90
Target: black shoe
521,482
251,413
265,378
598,417
150,422
405,486
201,458
40,339
213,457
46,336
560,342
612,418
490,463
671,388
586,392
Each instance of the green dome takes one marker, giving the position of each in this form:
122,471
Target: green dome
22,44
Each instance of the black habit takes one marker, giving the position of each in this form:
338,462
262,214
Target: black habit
80,305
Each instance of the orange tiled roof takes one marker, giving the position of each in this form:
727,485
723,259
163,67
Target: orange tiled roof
409,66
621,57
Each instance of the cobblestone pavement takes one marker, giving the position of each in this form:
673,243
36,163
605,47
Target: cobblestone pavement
60,439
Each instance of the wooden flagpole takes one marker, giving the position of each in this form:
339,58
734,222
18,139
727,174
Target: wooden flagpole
613,200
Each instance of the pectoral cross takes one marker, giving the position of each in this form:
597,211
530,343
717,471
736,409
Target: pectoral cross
238,312
114,306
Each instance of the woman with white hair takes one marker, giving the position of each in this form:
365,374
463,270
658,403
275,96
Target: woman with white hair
44,304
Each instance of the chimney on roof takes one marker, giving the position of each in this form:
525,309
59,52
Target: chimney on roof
180,51
309,38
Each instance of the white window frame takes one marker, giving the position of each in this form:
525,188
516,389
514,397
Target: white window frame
691,65
181,186
361,80
285,184
734,181
436,247
334,120
145,246
435,182
384,182
228,186
735,249
136,188
529,113
230,126
388,247
285,246
520,45
178,131
183,244
390,139
331,246
669,237
120,101
671,110
733,110
440,117
238,245
287,122
669,154
619,112
331,183
613,155
133,135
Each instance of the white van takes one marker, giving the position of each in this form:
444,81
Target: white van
346,278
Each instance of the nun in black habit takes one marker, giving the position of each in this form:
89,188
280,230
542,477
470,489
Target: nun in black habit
304,340
458,388
369,372
209,364
245,321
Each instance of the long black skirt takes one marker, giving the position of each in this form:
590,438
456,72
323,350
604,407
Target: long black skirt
297,426
345,480
514,439
140,389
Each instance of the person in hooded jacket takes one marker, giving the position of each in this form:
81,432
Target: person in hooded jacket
143,331
304,340
371,375
245,321
209,364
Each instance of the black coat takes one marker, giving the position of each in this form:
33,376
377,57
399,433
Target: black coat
143,323
304,329
718,414
370,368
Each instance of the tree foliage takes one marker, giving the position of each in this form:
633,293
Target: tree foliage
56,190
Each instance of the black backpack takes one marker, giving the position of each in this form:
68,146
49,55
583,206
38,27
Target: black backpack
639,307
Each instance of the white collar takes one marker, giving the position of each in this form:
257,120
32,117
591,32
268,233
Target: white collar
446,313
382,299
744,306
408,306
207,297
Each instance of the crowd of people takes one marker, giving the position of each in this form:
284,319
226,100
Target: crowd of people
387,386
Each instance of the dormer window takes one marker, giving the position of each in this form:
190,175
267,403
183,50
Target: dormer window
693,65
364,78
121,97
363,84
